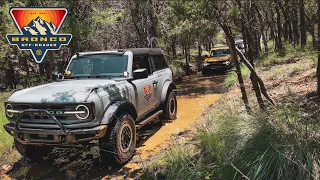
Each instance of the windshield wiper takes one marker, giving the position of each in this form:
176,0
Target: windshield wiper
89,76
74,77
101,76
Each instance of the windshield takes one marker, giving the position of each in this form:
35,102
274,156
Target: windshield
240,45
220,52
99,65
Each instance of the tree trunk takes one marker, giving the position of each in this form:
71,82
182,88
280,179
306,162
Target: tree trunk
26,68
295,25
302,25
264,39
318,66
314,41
173,48
310,25
261,83
41,69
199,50
290,32
10,75
254,81
287,25
273,27
232,46
285,31
279,26
209,44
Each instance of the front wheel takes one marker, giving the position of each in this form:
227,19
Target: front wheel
119,143
170,106
204,72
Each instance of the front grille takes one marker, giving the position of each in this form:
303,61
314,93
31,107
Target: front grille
44,121
220,63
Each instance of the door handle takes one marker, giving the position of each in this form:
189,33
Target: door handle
155,82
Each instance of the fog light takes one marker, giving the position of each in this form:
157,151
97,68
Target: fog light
227,63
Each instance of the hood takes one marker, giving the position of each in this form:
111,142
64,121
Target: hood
217,59
70,91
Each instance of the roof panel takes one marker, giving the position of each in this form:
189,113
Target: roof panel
144,51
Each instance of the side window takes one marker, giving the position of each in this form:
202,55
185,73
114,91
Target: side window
159,62
140,62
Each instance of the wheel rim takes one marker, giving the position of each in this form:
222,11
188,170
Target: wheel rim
172,106
126,137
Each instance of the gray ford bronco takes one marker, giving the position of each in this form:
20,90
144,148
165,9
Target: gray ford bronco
101,99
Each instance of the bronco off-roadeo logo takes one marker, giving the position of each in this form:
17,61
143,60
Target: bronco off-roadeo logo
39,29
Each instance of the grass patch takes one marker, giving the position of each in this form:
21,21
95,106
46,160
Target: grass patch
285,56
285,146
288,52
280,143
179,162
7,154
232,77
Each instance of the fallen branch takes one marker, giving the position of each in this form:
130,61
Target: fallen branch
253,71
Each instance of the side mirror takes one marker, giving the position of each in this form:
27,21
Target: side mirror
206,56
140,74
55,75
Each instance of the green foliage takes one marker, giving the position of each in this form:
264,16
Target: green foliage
287,53
277,144
220,38
232,77
108,16
179,162
283,147
7,155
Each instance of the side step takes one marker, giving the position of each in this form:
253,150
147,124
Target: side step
150,118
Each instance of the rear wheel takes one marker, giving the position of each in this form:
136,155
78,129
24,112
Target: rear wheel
32,152
119,143
170,106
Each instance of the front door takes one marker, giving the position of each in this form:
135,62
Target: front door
145,89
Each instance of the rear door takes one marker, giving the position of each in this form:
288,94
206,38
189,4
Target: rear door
162,73
145,89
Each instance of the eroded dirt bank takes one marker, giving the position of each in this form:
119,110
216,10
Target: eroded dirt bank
195,94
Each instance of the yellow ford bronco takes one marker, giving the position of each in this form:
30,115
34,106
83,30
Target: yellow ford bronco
218,60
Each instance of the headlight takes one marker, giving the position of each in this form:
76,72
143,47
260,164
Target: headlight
83,112
226,63
9,110
205,64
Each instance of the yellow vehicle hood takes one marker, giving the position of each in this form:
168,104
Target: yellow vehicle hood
217,59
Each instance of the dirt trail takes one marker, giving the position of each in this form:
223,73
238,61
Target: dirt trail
195,94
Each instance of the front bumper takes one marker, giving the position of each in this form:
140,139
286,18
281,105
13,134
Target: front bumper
61,137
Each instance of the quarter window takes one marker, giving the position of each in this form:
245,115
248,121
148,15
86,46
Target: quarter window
159,62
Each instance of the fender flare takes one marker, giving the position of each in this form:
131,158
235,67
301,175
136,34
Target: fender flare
113,108
166,86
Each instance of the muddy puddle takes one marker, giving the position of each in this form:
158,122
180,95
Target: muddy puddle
195,94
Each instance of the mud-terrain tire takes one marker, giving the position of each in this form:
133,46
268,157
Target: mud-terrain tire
35,153
119,143
170,106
